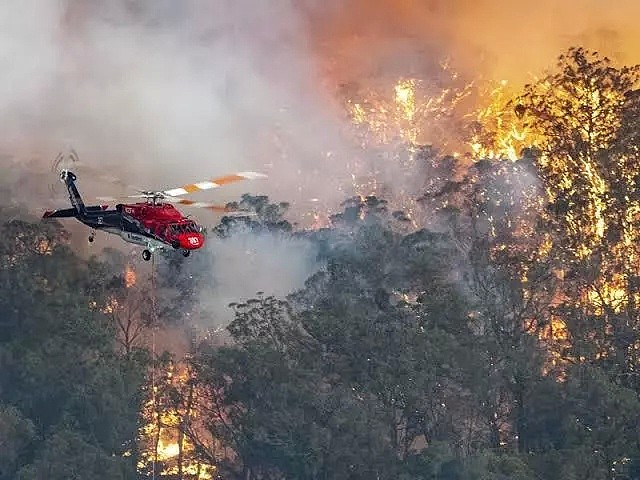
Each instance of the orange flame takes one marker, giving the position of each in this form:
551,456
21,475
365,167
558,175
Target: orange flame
160,437
129,276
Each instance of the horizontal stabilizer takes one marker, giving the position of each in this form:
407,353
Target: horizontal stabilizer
65,213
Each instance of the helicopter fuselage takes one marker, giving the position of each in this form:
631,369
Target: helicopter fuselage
149,224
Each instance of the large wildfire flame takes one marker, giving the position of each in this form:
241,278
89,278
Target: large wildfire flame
407,112
500,132
496,129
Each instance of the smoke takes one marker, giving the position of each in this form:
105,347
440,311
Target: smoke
518,39
163,93
167,92
499,39
248,263
170,92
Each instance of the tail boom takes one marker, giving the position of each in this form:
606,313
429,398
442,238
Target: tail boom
69,178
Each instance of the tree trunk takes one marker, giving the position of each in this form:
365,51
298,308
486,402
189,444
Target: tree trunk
180,453
156,440
494,433
521,428
186,419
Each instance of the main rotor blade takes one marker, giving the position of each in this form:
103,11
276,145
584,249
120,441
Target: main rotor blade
171,194
214,183
190,203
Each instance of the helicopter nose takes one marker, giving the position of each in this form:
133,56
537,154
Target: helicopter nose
191,241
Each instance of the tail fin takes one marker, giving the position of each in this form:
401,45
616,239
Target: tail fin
69,178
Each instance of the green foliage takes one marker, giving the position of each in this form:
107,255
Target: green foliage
603,420
490,466
58,366
261,215
67,455
336,384
16,437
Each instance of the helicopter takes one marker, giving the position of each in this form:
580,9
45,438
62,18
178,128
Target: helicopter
153,222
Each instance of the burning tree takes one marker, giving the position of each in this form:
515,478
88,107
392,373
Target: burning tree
393,121
171,438
412,111
552,239
589,164
496,128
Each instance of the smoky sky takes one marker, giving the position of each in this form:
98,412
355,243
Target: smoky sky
499,39
166,92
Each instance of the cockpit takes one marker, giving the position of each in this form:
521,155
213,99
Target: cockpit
181,228
186,235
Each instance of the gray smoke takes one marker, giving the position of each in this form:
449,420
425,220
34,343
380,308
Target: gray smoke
171,92
248,263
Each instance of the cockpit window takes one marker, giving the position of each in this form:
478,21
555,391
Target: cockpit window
177,229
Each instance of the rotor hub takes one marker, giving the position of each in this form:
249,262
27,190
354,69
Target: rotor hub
65,174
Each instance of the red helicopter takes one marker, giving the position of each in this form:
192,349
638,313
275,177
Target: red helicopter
154,223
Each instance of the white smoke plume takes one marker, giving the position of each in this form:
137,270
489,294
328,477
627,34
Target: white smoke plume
165,92
170,92
249,263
